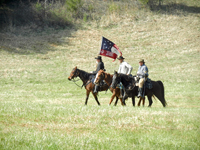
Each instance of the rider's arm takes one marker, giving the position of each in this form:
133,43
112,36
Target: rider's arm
129,68
143,72
119,70
99,67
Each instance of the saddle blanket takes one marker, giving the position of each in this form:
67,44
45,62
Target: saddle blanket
148,84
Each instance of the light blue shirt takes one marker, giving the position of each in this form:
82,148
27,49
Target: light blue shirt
142,71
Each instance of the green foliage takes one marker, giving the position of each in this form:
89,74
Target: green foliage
113,7
85,17
151,3
74,6
38,6
144,1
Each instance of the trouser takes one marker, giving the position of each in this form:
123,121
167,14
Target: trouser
141,82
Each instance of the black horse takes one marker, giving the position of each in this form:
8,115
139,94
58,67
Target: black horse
131,90
87,83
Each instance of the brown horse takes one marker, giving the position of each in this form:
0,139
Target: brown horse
101,75
87,83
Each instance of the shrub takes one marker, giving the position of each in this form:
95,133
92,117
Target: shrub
74,6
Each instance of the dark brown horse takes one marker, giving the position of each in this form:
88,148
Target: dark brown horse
157,90
101,75
87,82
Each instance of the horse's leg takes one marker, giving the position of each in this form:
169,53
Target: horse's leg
123,100
139,102
87,96
150,100
112,97
116,101
133,100
143,101
95,96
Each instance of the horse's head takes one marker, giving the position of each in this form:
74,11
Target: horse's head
115,80
73,74
99,77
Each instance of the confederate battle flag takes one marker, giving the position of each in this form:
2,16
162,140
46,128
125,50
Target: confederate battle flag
109,49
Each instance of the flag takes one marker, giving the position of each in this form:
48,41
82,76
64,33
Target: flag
109,49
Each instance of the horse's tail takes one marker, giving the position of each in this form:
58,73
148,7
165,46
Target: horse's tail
163,93
154,97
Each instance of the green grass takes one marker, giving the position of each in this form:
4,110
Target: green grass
41,109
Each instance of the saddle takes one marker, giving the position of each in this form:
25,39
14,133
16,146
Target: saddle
148,84
102,83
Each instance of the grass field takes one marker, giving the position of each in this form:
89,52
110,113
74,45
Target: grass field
41,109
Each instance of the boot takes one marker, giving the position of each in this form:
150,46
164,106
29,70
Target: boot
96,89
140,92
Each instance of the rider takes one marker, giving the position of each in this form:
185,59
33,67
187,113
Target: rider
100,66
142,74
124,68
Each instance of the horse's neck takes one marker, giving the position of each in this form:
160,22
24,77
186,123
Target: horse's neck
124,81
108,79
82,77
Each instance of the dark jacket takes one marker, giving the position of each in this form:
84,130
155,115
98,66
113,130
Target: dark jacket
100,66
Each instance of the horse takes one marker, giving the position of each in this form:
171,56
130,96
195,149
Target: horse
157,89
102,75
87,82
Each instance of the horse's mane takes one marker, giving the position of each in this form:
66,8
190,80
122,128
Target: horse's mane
107,73
85,74
126,77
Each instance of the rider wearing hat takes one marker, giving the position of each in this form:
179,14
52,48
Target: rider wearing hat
124,68
100,66
142,74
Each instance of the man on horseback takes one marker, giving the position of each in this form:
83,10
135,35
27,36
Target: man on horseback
142,74
124,68
100,66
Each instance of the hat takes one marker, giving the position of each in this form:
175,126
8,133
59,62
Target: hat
120,57
141,60
98,57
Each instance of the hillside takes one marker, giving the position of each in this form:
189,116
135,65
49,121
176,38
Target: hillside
41,109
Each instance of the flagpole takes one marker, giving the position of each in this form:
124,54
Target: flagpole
100,45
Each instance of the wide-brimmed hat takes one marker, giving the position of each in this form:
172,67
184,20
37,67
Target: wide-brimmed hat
120,57
98,57
141,60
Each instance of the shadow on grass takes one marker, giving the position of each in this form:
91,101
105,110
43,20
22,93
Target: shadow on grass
176,9
23,30
26,41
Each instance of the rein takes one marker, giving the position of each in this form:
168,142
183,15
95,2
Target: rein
82,85
76,81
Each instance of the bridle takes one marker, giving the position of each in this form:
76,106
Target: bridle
117,81
76,73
